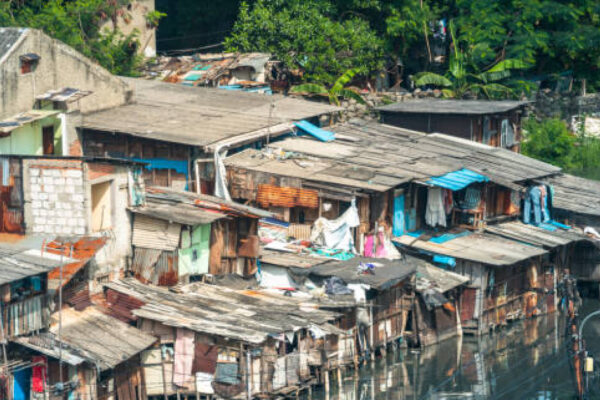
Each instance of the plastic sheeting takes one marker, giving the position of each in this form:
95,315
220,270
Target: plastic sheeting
337,234
313,130
275,278
184,357
457,180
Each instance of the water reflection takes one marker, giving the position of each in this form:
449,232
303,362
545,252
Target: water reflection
527,360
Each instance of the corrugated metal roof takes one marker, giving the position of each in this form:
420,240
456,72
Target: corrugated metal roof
386,273
575,194
223,312
437,106
10,124
478,247
184,214
378,157
154,233
92,336
440,280
8,38
544,238
457,180
18,263
198,116
64,95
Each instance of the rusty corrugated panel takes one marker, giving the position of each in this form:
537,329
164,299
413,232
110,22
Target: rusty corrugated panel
143,265
166,269
299,231
270,195
154,233
120,305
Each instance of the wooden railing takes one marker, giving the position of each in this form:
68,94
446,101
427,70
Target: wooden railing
25,316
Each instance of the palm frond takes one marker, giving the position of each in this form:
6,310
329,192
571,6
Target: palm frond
311,88
508,64
343,80
352,94
430,78
448,93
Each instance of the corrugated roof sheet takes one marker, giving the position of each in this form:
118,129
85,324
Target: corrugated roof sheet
219,311
185,214
66,94
378,157
457,180
386,273
432,277
575,194
8,38
198,116
18,262
10,124
437,106
90,335
479,247
544,238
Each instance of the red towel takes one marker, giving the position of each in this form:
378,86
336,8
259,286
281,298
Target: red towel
38,374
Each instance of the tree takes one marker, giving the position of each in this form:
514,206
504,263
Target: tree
462,79
337,90
549,141
305,35
77,23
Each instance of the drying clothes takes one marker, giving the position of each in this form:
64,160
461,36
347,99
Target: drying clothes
38,374
335,285
221,175
184,357
337,234
435,214
532,204
369,245
205,360
227,373
448,201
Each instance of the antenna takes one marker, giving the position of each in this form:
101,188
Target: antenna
271,109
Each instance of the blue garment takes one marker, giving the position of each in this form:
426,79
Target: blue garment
535,194
546,210
527,209
399,222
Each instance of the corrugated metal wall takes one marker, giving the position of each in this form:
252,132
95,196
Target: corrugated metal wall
156,234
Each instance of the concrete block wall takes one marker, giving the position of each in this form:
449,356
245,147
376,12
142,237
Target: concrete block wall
55,197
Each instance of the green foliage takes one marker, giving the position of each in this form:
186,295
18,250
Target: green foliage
463,79
153,18
549,141
306,34
337,90
77,23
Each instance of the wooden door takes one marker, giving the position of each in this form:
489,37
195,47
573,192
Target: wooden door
48,140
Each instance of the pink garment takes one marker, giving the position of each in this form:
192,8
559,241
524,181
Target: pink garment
184,358
380,251
369,242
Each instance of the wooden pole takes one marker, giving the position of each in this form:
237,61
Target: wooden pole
326,376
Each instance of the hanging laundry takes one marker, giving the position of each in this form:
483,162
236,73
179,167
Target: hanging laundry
448,201
38,374
337,234
435,214
535,195
369,245
184,357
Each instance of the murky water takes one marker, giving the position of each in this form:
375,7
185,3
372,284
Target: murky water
527,360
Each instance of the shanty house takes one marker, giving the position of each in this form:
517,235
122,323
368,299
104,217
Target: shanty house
493,122
44,84
73,196
85,354
178,236
220,341
177,130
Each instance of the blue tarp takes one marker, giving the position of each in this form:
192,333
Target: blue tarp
457,180
448,236
398,222
313,130
446,260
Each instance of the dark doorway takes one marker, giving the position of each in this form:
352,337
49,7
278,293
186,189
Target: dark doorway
48,140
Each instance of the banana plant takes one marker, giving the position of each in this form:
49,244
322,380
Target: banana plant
459,81
338,90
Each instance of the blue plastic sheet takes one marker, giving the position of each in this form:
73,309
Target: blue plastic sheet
313,130
457,180
448,236
446,260
398,222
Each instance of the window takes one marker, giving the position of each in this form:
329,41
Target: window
101,206
29,62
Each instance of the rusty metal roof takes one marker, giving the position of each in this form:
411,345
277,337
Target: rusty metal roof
19,262
215,310
537,236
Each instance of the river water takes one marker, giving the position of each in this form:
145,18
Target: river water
526,360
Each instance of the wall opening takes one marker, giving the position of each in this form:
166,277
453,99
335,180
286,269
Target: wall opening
101,206
48,140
